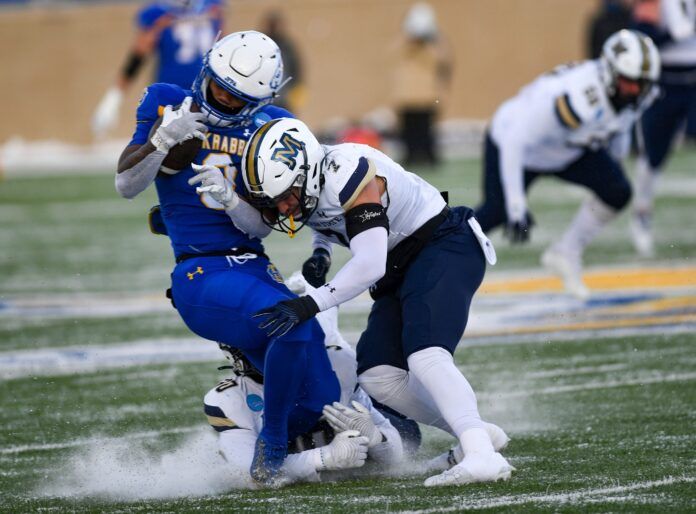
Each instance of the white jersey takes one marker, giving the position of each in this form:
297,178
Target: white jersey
678,18
235,406
408,199
553,121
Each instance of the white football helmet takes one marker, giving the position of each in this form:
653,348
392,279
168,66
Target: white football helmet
633,56
420,22
281,158
247,65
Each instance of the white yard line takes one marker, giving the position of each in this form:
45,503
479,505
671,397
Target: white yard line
575,497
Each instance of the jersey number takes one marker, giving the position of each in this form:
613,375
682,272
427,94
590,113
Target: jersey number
194,39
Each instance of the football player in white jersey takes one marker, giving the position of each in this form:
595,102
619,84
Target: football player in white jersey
672,26
575,124
353,430
421,260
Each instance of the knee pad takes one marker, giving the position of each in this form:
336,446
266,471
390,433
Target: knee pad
383,382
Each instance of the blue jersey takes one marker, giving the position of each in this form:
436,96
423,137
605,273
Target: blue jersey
196,223
184,38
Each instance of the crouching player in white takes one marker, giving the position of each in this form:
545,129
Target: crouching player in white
434,258
352,433
573,123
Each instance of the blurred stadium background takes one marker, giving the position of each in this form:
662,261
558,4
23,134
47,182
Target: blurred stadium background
101,383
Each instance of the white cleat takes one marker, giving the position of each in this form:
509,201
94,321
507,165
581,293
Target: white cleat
478,467
642,234
452,457
569,268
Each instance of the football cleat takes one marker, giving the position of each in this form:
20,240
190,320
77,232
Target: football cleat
267,463
642,234
487,467
452,457
569,267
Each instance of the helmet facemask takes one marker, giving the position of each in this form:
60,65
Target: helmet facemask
240,365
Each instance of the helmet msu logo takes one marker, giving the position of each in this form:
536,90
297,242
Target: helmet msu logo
288,152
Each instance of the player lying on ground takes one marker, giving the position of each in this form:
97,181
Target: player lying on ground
222,276
353,431
575,124
434,258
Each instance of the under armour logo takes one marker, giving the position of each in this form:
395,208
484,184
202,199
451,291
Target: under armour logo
247,133
199,271
331,288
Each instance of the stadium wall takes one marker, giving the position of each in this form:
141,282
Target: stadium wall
58,61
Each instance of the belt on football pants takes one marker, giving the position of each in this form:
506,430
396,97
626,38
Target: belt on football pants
232,252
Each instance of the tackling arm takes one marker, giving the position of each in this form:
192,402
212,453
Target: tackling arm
368,231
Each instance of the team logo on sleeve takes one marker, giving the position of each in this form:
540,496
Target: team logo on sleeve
288,152
274,273
254,402
143,97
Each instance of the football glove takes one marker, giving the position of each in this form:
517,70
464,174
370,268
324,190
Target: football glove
105,116
178,126
286,315
347,450
358,418
517,231
213,182
315,268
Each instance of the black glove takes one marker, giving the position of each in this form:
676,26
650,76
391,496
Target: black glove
286,315
315,268
518,231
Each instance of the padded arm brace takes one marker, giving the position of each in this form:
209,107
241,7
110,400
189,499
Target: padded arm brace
247,219
367,265
133,181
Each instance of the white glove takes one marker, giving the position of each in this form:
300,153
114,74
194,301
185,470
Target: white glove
358,418
178,126
347,450
215,184
105,116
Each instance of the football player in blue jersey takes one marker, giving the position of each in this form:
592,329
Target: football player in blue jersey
178,33
222,276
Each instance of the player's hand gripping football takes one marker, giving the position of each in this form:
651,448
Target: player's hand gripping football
358,418
213,182
286,315
178,126
347,450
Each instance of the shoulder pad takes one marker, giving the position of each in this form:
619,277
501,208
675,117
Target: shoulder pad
223,406
358,174
149,15
155,98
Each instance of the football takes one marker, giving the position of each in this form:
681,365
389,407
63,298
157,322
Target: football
181,155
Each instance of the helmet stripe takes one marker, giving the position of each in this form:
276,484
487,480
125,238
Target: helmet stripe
252,172
646,55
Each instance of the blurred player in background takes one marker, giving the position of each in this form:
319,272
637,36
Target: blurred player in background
671,24
423,71
353,432
612,16
574,124
222,275
293,96
434,258
178,33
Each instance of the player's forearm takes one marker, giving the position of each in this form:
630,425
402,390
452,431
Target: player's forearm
303,466
512,180
247,219
679,25
391,450
138,170
366,266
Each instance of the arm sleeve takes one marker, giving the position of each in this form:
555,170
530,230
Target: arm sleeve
133,181
619,145
319,240
247,219
511,150
365,267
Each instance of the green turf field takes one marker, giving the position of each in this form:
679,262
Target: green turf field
597,424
